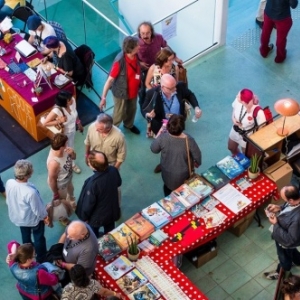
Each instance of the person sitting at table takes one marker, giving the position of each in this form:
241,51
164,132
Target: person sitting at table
38,31
64,59
7,7
83,286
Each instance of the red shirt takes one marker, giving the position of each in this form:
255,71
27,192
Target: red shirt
133,75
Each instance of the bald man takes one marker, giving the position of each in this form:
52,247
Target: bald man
170,99
80,247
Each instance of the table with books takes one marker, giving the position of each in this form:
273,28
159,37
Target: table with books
17,77
191,216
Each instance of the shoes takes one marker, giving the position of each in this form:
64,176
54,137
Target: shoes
134,129
279,60
157,169
64,221
76,169
270,49
259,23
273,275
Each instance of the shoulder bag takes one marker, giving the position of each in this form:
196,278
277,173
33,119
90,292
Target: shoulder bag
50,131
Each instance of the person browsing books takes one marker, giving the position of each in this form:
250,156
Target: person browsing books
173,146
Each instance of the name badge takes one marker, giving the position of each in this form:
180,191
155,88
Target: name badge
137,76
65,252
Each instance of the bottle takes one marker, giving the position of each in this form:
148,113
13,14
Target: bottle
195,119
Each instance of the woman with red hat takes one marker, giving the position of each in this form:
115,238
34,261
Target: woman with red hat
243,120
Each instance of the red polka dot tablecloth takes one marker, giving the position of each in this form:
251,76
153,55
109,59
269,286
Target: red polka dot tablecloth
259,192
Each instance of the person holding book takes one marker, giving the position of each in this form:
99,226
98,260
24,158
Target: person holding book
98,203
84,287
175,146
243,120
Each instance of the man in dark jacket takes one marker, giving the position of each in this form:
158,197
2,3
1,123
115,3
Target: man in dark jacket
278,15
285,228
98,203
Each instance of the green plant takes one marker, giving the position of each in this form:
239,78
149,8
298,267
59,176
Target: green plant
254,163
133,245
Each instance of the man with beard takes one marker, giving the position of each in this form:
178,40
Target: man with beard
150,43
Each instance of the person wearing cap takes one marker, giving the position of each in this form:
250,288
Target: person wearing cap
242,119
64,59
26,208
38,31
285,222
7,7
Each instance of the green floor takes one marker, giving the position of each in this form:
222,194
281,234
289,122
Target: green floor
236,273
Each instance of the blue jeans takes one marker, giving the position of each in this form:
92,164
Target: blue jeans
38,232
287,257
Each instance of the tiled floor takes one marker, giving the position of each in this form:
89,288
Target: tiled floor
236,272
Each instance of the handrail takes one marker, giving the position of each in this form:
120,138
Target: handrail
104,17
120,16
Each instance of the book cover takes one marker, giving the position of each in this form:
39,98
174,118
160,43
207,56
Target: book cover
156,215
157,237
200,186
216,177
141,226
121,234
210,202
146,246
146,292
108,247
131,281
199,211
119,267
230,167
214,218
186,196
172,205
243,160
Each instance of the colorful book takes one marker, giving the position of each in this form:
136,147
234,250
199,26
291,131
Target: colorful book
146,246
199,211
216,177
145,292
186,195
243,160
156,215
230,167
119,267
214,218
108,247
172,205
210,202
140,225
157,237
121,235
131,281
200,186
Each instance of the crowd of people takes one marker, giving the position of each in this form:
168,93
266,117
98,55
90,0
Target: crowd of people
145,71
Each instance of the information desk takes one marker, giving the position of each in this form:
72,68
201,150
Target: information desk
17,97
261,190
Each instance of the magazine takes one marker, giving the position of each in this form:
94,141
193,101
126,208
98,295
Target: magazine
214,218
146,292
119,267
108,247
186,196
131,281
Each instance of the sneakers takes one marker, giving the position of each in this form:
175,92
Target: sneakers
134,129
76,169
273,275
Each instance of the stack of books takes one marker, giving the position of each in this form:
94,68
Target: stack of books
157,237
172,205
200,186
146,246
108,247
119,267
156,215
243,160
141,226
186,196
230,167
131,281
216,177
121,234
145,292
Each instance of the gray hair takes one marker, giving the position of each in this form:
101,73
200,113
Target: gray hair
105,119
23,169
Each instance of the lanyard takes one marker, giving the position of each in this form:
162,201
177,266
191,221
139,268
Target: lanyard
242,116
69,246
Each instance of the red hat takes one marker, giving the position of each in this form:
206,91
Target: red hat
246,95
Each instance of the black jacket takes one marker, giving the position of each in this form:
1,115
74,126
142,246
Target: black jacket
98,203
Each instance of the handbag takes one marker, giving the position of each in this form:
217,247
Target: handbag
183,74
51,130
191,170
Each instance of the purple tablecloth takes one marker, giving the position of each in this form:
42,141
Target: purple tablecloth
46,98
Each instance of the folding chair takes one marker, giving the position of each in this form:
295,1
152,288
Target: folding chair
86,56
23,13
60,33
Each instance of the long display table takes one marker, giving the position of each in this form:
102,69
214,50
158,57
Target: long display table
262,190
16,97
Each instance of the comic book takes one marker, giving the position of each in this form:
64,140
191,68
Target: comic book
141,226
119,267
172,205
121,234
108,247
146,292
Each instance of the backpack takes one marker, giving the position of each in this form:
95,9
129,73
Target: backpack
267,112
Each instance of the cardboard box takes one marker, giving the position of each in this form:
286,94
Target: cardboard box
242,227
281,173
202,259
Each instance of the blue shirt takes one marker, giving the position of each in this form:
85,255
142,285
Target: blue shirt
171,106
